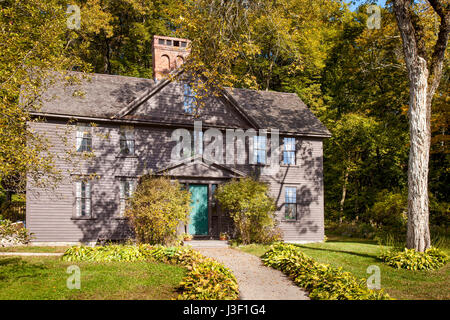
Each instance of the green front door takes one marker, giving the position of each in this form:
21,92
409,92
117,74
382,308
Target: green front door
198,224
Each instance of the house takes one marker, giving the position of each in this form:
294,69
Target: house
127,126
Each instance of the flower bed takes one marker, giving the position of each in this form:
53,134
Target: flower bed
323,282
207,279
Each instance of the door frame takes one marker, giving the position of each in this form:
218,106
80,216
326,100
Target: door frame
208,193
209,183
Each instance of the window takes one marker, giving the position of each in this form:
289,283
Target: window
176,43
161,41
126,191
289,151
84,138
189,99
259,149
83,199
183,44
290,203
126,140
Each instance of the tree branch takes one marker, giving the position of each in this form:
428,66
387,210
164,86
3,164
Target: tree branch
437,58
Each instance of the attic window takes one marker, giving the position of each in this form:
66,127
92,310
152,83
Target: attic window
176,43
161,41
183,44
189,99
168,42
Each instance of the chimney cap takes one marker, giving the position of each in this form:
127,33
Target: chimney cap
170,42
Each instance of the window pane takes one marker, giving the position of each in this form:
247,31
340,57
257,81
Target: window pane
290,212
291,196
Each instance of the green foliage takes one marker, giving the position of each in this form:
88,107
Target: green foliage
209,280
251,208
411,259
390,209
206,280
156,209
15,232
352,229
323,282
14,211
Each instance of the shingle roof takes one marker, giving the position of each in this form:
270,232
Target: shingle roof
104,96
285,111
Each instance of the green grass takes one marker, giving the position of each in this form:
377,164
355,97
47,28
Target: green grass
355,257
46,249
29,278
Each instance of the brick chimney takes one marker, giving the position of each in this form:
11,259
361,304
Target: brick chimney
168,54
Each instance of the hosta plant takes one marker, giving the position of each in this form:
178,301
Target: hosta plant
411,259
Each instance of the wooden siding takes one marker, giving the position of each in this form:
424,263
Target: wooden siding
49,213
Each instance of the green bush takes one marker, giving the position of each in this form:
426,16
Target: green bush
411,259
252,210
13,210
156,209
13,233
207,279
321,281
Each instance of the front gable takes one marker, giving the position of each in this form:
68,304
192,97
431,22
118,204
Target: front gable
196,167
165,104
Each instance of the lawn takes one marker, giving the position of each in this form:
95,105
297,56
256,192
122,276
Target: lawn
29,278
355,256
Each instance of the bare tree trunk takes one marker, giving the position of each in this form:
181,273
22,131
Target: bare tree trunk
418,233
424,79
344,192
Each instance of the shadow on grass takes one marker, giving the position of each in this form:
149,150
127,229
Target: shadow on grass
364,255
14,268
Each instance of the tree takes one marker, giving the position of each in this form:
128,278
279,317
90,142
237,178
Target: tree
34,53
424,76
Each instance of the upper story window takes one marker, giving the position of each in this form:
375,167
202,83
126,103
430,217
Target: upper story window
259,149
84,138
126,140
189,99
289,151
290,203
127,187
83,199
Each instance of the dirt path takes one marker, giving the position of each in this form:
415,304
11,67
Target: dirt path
256,281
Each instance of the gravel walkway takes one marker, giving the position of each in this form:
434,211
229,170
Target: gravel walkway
256,281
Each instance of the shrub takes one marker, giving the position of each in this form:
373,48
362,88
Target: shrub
13,210
321,281
156,209
389,214
251,208
207,279
411,259
13,233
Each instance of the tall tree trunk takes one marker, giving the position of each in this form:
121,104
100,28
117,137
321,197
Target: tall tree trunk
424,80
344,192
418,233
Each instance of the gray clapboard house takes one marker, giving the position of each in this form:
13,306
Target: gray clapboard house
128,123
